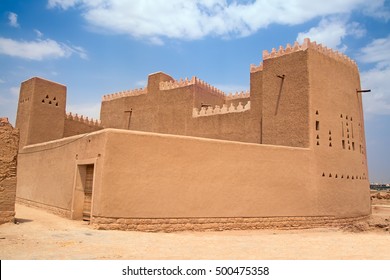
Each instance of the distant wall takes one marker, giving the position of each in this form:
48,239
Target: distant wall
41,111
168,106
75,125
9,144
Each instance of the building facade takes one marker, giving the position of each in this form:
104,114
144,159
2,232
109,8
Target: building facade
181,154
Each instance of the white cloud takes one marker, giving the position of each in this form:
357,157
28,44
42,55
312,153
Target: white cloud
141,83
377,78
331,32
378,101
155,20
378,51
38,49
64,4
14,91
13,20
38,33
376,9
80,51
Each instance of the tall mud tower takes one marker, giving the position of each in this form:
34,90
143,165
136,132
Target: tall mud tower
41,111
311,98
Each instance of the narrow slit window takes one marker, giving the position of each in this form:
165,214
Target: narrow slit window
317,125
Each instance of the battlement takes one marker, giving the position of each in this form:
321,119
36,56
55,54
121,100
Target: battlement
168,85
255,68
217,110
307,44
125,93
237,95
211,89
82,119
193,81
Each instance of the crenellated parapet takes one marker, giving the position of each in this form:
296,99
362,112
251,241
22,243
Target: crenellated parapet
168,85
82,119
209,88
217,110
255,68
338,56
125,93
237,95
307,44
193,81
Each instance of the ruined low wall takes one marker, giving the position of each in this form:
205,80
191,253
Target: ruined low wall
218,224
9,144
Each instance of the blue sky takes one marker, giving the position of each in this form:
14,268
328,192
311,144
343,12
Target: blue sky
96,47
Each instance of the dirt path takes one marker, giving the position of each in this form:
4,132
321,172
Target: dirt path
41,235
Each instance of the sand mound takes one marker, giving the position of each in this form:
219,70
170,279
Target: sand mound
381,195
374,223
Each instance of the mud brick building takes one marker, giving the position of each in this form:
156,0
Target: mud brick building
181,154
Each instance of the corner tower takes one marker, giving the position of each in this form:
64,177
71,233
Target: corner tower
41,111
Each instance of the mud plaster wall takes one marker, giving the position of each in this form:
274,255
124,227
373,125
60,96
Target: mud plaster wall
286,101
170,111
337,134
191,177
9,143
155,175
74,127
141,175
279,113
41,111
47,171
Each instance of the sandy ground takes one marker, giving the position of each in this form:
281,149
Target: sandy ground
41,235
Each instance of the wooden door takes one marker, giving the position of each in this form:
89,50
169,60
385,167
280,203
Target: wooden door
88,192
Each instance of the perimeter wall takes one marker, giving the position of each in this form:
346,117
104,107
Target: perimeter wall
148,181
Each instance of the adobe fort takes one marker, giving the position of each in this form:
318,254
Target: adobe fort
183,155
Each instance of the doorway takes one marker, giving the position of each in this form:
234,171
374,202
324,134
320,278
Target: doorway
82,194
88,184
